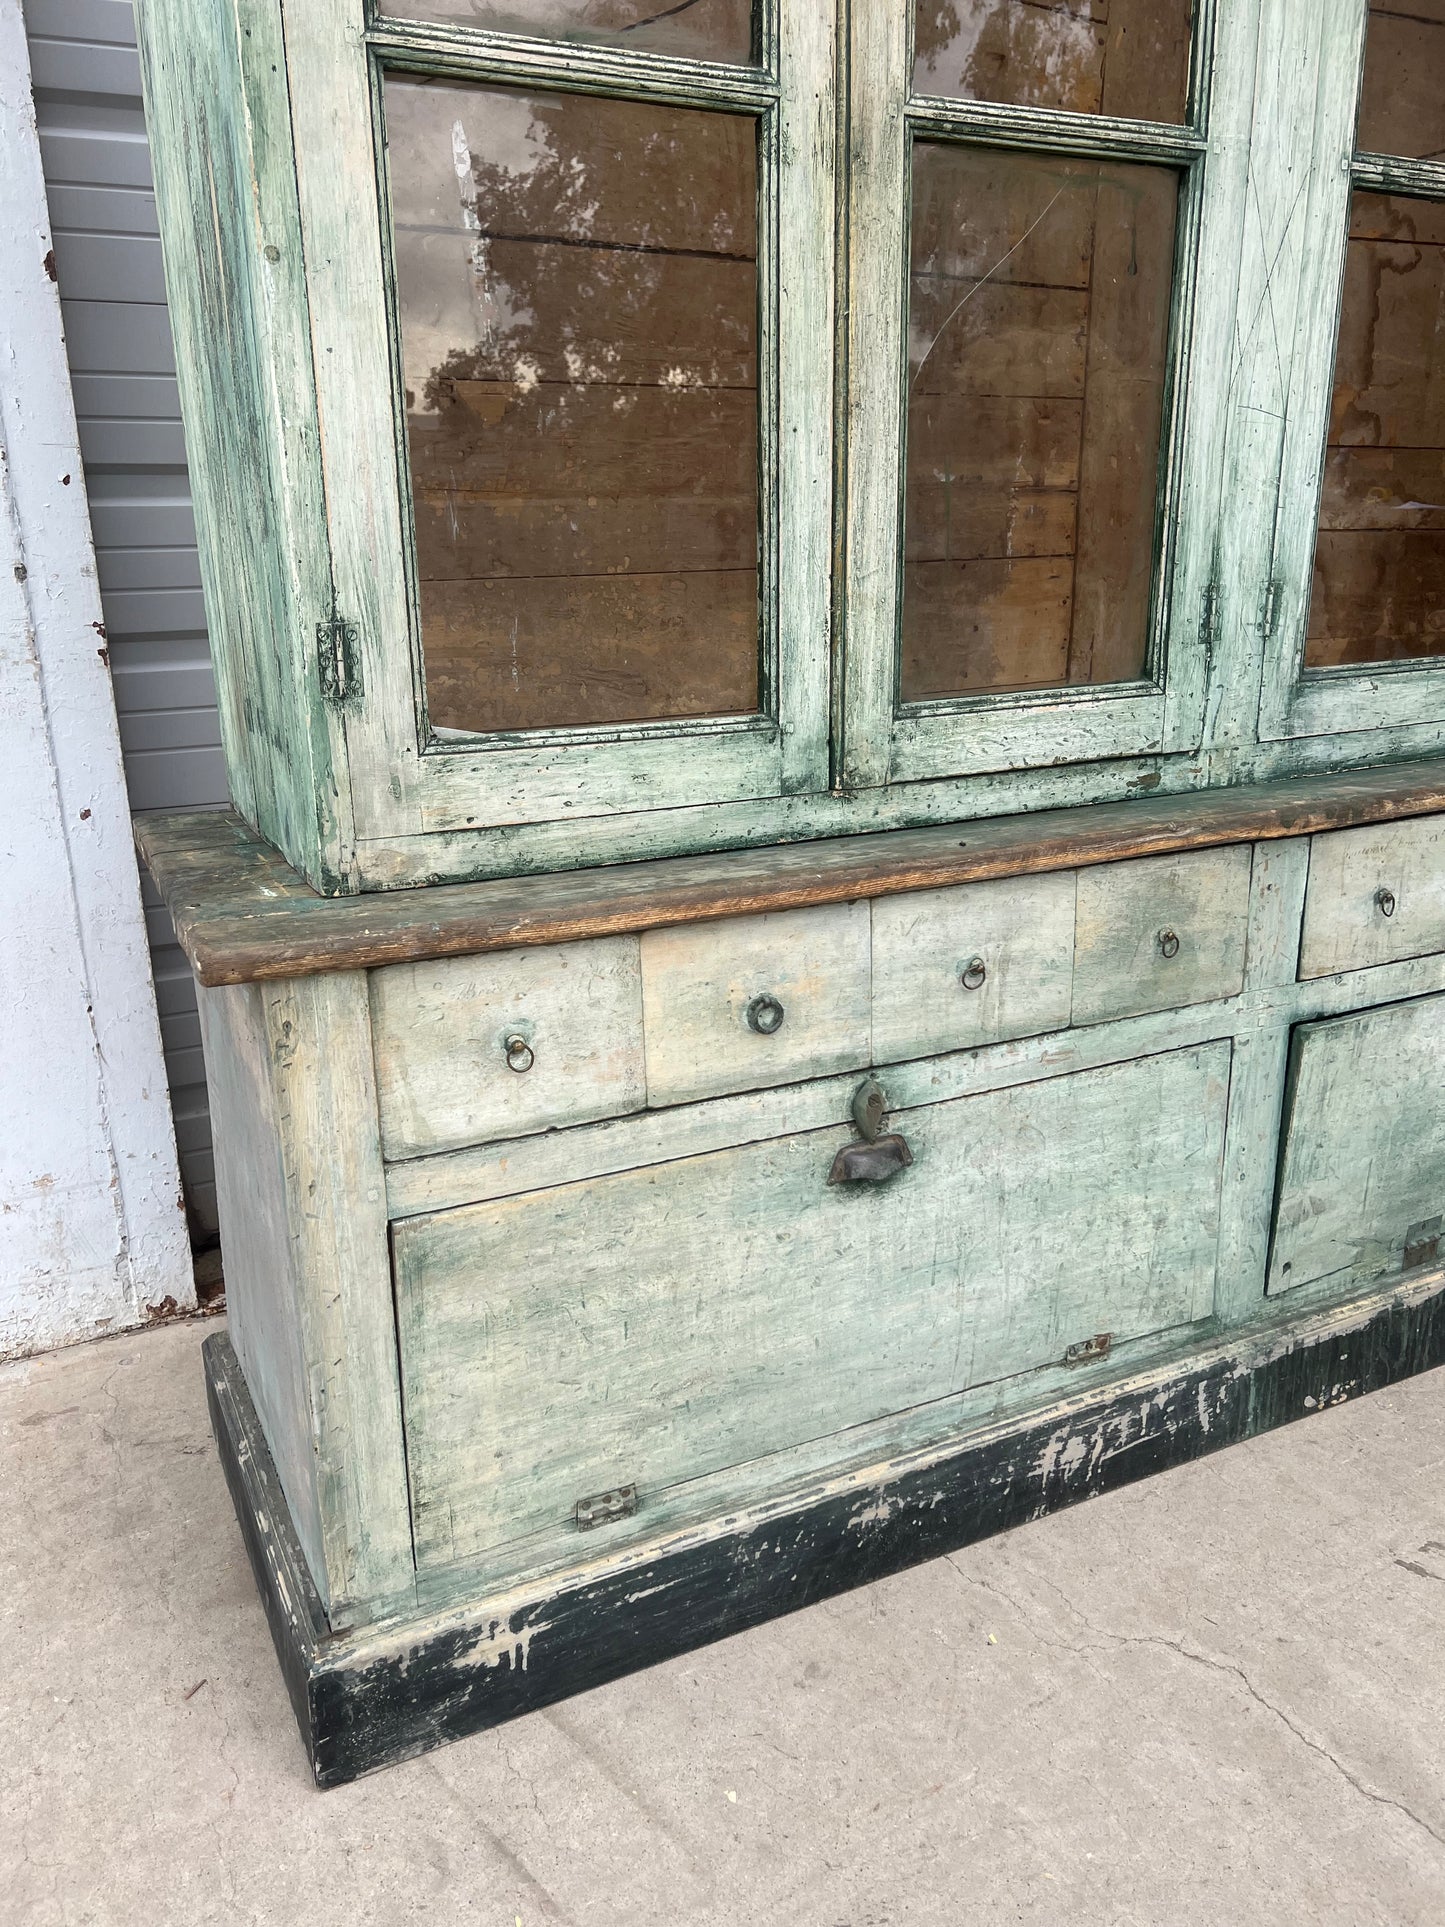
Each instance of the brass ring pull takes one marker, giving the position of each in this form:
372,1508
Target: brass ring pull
1385,902
1168,943
974,974
520,1056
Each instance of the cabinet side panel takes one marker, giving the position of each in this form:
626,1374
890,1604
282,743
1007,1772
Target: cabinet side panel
219,117
261,1306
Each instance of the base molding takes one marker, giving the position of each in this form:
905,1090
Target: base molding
369,1696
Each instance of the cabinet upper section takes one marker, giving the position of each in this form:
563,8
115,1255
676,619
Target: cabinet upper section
622,430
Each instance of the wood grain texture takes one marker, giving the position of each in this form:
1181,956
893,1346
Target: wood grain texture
1023,932
397,1689
303,1216
213,75
733,1305
1360,1193
698,984
441,1029
236,923
1126,914
1345,925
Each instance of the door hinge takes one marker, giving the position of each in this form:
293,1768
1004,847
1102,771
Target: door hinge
1209,621
603,1507
1270,612
340,661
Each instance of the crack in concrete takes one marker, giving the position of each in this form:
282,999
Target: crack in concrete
1230,1667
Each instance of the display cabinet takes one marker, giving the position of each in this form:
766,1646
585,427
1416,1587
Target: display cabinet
830,631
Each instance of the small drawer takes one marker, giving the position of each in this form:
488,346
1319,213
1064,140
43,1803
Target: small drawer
753,1001
1160,932
1375,895
472,1049
971,965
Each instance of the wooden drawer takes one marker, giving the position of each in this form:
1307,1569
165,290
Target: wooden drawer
710,991
441,1033
1375,895
1361,1192
1160,933
663,1323
971,965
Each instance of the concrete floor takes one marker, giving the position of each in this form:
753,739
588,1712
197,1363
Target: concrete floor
1217,1697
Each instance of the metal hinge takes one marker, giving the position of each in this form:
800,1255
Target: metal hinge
603,1507
339,660
1270,612
1088,1349
1209,621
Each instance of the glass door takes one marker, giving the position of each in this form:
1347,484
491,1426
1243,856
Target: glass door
575,416
1043,238
1358,582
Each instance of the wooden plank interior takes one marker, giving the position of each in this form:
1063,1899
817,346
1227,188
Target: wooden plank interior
1127,57
578,298
1379,575
1402,97
699,30
1039,319
236,925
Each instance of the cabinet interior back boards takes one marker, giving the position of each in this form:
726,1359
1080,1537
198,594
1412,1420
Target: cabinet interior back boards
830,631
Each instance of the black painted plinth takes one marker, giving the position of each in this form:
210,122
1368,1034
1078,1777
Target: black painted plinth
366,1697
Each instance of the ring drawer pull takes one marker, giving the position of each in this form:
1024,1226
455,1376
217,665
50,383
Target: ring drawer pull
865,1163
765,1015
519,1054
973,974
1168,943
1385,902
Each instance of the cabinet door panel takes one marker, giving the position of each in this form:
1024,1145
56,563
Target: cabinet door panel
659,1324
1362,1182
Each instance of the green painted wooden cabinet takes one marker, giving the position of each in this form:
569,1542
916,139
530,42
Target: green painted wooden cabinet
830,622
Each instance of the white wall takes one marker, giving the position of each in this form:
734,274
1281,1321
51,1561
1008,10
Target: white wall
92,1236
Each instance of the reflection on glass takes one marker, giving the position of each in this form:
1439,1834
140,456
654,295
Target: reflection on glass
1379,581
577,290
1038,325
694,30
1402,98
1126,57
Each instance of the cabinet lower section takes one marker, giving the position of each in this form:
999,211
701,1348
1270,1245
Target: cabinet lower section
592,1301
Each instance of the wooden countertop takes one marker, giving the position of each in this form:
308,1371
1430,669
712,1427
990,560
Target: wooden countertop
242,914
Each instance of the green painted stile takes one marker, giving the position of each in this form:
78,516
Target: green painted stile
216,96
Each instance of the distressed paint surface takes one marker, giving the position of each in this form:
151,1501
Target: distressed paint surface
724,1307
1130,914
699,983
441,1032
1362,1184
394,1690
1023,935
1354,875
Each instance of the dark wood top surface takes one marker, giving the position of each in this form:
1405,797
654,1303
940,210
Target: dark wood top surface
242,914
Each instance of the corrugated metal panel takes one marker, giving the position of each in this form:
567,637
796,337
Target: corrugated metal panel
98,177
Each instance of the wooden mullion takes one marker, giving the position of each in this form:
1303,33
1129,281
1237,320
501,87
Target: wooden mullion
1391,174
471,53
1050,131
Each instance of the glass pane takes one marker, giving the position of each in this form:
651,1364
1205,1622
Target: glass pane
1126,57
1038,333
577,290
695,30
1402,100
1379,581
